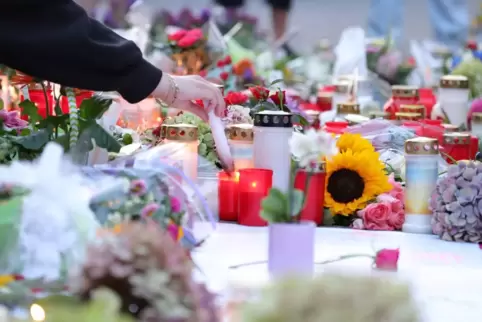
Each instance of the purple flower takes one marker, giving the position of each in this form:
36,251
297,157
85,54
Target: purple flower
138,187
149,210
175,204
205,15
248,75
12,121
466,195
294,106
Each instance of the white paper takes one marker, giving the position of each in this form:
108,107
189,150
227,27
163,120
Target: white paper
350,53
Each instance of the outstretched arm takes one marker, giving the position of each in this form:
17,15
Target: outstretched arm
57,41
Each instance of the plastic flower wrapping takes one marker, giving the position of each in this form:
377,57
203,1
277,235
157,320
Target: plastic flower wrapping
52,210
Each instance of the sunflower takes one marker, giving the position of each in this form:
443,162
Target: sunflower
353,179
354,142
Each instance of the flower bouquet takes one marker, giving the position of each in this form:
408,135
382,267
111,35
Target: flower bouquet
188,50
359,192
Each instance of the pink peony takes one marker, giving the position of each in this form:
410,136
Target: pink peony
375,216
12,121
175,204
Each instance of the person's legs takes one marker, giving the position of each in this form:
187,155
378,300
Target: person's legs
450,21
280,11
385,17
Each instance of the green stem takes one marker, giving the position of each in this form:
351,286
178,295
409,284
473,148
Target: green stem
47,106
342,258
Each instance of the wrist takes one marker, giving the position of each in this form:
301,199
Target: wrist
163,88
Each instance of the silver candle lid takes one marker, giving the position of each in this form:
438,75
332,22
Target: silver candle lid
273,119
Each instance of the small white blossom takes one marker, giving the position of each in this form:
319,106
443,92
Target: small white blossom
312,147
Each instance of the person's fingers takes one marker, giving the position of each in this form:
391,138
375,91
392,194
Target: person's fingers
216,99
191,107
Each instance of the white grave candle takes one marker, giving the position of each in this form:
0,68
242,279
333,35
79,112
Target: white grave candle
453,98
272,132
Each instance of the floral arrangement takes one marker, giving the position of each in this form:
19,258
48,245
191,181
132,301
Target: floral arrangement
456,202
309,150
148,271
356,179
188,51
389,63
300,298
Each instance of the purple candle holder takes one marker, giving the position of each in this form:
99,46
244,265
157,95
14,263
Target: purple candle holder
291,248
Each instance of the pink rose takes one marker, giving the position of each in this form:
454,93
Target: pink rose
397,189
396,219
175,204
358,224
375,216
395,204
387,259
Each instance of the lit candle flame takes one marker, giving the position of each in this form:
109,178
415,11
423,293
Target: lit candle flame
254,184
37,313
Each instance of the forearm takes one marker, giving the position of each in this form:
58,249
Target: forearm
57,41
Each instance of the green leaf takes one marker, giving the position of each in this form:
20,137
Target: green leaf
54,121
57,109
35,140
30,109
102,138
1,104
275,206
64,141
277,81
93,108
10,216
296,203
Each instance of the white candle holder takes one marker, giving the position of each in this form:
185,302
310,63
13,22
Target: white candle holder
185,136
453,97
272,132
241,145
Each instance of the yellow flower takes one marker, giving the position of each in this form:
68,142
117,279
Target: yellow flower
6,279
354,142
353,179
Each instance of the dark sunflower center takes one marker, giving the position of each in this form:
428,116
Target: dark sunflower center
345,185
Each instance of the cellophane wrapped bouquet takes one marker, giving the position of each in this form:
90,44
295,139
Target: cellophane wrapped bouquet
52,211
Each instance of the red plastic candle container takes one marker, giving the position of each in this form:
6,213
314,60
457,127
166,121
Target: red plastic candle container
433,129
401,95
38,98
254,185
415,126
427,98
315,197
228,196
456,146
324,101
335,127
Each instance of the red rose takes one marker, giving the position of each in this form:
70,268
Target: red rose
220,63
227,60
472,45
276,98
235,98
411,61
224,76
203,73
157,131
187,41
196,33
375,216
259,92
176,36
387,259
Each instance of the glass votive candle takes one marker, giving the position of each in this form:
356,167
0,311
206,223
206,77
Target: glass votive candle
241,145
185,137
228,196
253,187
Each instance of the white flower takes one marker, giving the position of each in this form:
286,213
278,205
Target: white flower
237,114
312,146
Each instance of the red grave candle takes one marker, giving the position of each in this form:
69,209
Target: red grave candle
254,185
228,196
335,127
315,197
456,146
427,98
401,95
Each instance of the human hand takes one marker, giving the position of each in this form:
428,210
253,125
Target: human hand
189,89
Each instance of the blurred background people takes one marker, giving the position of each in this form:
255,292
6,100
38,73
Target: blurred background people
449,18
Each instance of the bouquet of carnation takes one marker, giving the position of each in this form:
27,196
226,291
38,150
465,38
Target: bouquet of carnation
359,192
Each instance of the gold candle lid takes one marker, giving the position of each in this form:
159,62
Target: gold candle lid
421,146
342,87
325,97
454,81
179,132
450,128
408,116
348,108
379,114
241,132
415,108
477,117
457,138
404,91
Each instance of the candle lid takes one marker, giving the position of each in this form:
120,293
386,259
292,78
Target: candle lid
404,91
348,108
450,127
325,96
421,146
457,138
273,119
342,87
476,117
179,132
412,108
454,81
408,116
378,114
241,132
356,119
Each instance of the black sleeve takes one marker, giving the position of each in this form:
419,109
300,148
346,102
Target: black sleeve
55,40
